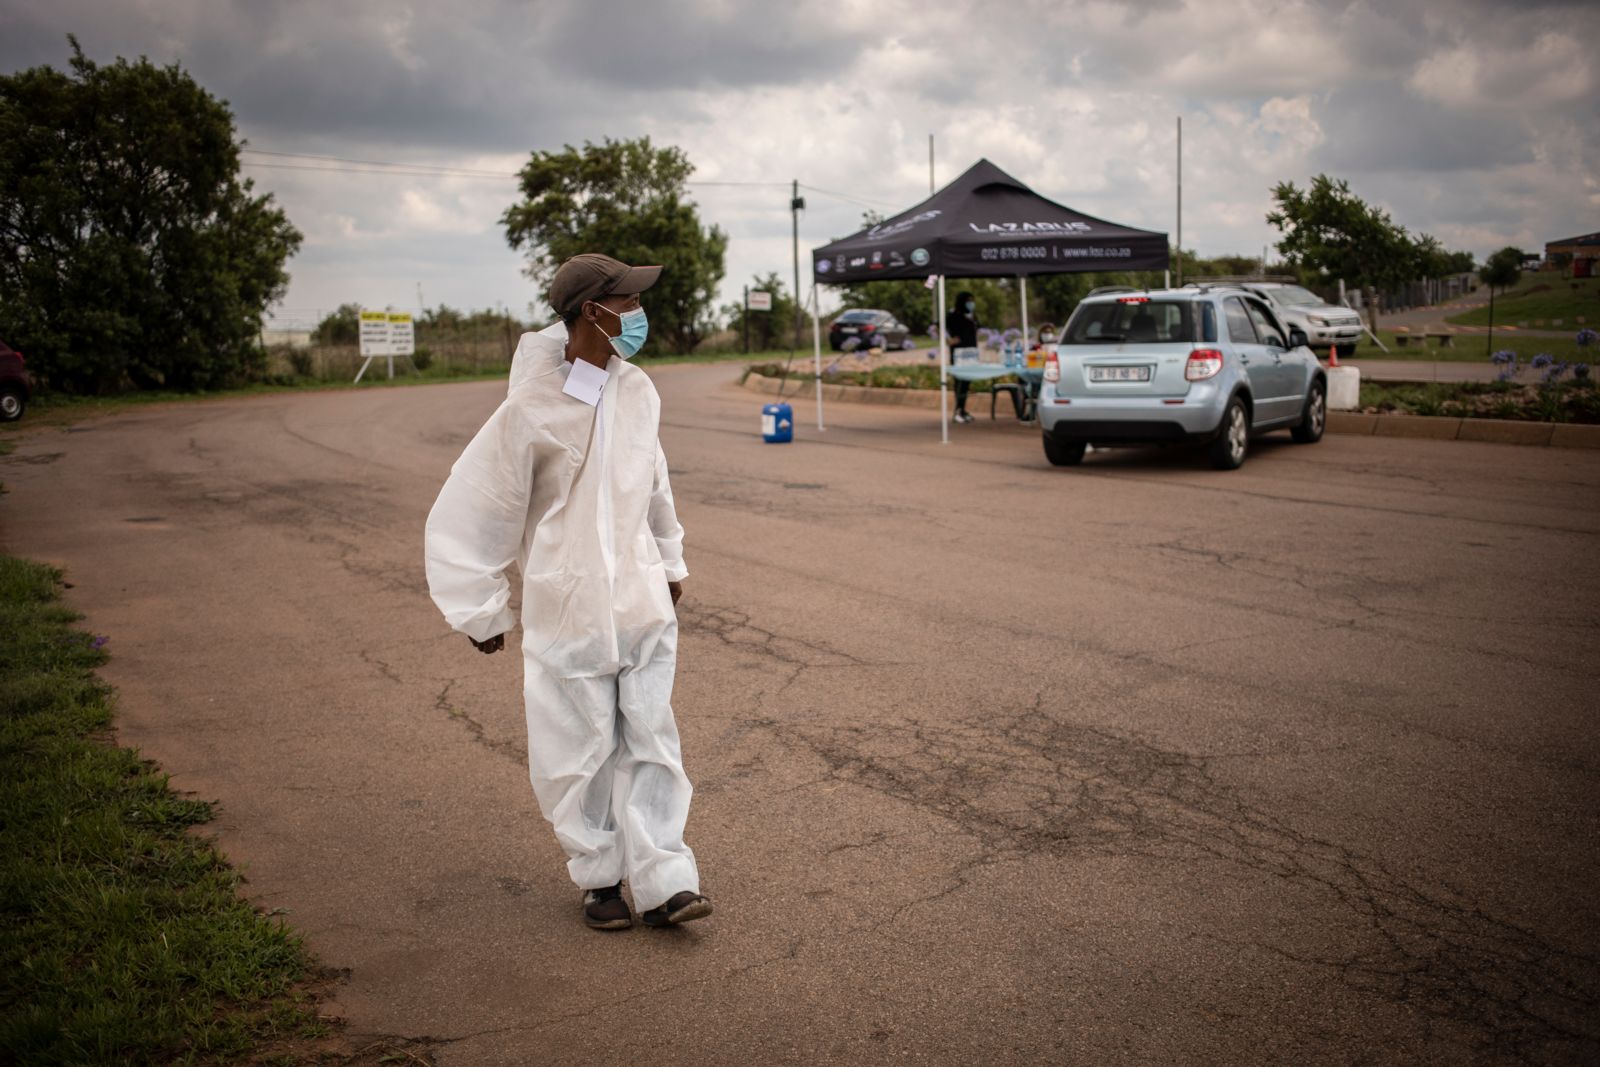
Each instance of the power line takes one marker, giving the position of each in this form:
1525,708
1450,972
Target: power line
846,196
395,172
384,163
346,165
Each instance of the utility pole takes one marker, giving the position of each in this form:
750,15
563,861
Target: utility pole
744,314
796,205
937,324
1180,201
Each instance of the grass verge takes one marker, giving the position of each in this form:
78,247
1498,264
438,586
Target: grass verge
125,938
1475,348
1567,401
1540,298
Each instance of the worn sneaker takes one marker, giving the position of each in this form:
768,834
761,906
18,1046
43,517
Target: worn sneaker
604,909
681,908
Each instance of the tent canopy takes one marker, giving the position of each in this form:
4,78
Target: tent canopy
987,224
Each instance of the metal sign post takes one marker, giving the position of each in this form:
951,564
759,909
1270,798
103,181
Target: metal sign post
754,300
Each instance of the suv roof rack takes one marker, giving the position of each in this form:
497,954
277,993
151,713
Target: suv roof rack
1250,279
1102,290
1206,287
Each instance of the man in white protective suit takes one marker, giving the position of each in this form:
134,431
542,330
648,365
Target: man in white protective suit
567,479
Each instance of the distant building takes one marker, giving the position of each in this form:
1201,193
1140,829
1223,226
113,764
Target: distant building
1582,252
274,337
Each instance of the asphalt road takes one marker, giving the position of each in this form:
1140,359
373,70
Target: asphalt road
1138,763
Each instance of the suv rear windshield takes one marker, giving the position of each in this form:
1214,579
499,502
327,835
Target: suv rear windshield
1142,321
860,316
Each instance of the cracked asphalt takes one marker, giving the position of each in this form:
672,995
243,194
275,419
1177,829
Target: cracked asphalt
1138,763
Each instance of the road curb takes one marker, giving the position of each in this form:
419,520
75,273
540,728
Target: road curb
1419,427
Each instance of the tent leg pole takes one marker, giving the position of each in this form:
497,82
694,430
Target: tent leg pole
1022,284
944,371
816,341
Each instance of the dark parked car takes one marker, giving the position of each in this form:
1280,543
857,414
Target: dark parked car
15,389
870,327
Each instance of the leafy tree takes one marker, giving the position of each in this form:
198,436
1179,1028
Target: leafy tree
341,327
1055,296
1500,271
626,199
908,300
130,251
1330,230
768,329
1434,262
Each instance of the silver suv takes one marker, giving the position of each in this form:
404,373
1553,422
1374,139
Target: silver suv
1324,324
1208,365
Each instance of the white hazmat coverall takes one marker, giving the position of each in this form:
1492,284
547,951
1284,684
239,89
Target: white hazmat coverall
577,495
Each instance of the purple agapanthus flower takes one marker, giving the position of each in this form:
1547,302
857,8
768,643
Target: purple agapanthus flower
1587,337
1542,360
1504,357
1580,371
99,642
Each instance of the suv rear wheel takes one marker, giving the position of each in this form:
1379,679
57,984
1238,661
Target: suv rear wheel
1233,437
1064,453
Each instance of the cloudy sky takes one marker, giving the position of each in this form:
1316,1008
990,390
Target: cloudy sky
1474,121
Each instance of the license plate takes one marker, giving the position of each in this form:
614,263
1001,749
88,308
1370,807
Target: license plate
847,329
1119,374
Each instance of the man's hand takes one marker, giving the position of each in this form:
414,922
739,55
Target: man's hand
494,644
676,589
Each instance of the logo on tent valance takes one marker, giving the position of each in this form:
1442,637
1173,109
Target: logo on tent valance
1031,227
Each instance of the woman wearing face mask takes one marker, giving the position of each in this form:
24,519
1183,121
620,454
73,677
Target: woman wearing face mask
961,326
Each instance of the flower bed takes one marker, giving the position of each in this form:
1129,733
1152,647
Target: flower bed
1572,400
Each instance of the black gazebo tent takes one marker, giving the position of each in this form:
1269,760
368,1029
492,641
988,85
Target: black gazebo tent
985,224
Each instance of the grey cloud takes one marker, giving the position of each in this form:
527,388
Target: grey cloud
1386,128
619,45
493,76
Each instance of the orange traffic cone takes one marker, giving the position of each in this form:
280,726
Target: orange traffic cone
1333,355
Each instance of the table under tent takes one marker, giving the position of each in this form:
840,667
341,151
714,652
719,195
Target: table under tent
985,224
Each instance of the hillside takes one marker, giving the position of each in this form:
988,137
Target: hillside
1536,297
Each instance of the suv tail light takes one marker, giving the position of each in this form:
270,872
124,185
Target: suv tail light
1203,363
1052,367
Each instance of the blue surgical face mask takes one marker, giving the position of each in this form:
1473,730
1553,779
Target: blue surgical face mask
635,328
971,307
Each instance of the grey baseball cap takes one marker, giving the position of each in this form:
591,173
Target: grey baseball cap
592,276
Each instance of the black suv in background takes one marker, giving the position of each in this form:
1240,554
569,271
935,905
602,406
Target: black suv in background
15,388
869,327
